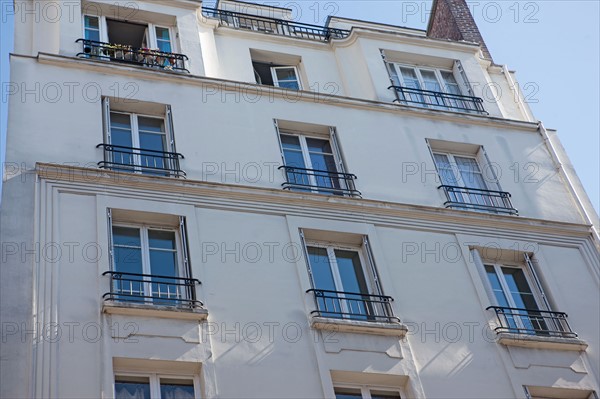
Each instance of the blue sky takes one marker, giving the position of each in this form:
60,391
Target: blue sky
549,44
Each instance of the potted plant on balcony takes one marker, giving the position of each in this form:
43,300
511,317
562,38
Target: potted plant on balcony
122,51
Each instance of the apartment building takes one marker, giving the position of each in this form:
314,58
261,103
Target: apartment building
222,202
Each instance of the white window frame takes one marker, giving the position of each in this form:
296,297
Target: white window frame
417,69
306,155
145,249
276,80
331,247
154,381
365,390
506,290
456,171
135,136
370,280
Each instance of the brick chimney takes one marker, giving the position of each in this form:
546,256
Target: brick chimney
452,19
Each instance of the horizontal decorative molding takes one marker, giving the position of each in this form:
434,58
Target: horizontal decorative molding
135,72
359,327
280,202
541,342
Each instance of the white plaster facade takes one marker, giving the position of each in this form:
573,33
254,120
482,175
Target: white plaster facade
255,335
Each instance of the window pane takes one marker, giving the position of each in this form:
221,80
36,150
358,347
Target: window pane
519,288
285,74
163,40
347,393
353,284
290,142
384,395
127,254
176,389
319,145
92,28
321,269
159,239
286,77
496,287
151,124
410,78
132,388
126,236
351,272
447,175
470,172
430,81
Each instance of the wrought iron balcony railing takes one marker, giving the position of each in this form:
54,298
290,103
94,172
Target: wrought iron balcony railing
353,306
274,26
478,199
532,322
139,160
130,55
152,290
320,181
438,100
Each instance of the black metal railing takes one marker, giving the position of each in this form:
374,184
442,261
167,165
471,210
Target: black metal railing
353,306
274,26
130,55
139,160
478,199
321,181
532,322
438,100
152,289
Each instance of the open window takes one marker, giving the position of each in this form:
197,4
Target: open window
139,42
140,139
274,69
312,159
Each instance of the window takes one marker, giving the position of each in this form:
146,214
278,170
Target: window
465,184
312,163
154,386
140,143
431,88
345,282
277,75
511,288
149,261
365,392
133,34
130,42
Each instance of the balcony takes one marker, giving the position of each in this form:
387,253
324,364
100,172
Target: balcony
138,160
153,295
353,306
319,181
438,100
274,26
533,328
478,199
151,58
532,322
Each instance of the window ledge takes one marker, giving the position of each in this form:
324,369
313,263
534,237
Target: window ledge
539,342
361,327
165,312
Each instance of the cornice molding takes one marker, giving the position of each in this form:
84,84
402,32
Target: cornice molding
307,96
280,202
